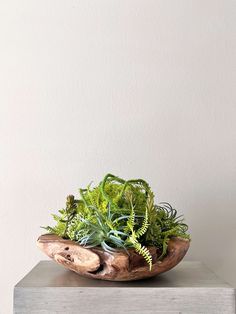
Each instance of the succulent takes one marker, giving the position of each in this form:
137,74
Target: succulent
119,214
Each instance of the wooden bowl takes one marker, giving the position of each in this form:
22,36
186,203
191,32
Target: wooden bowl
119,266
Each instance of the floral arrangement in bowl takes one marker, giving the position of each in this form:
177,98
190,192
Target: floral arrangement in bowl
115,231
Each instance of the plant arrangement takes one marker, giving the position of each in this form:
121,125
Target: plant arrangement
119,214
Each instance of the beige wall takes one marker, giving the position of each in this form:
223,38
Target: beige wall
137,88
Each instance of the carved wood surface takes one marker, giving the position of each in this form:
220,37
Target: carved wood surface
118,266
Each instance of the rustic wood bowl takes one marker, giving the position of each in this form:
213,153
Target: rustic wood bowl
119,266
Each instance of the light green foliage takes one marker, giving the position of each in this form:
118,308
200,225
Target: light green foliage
119,214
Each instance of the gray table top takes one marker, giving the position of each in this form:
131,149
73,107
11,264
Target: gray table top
186,274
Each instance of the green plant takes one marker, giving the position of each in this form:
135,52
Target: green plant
119,214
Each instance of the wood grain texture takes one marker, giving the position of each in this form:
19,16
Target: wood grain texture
124,300
189,288
119,266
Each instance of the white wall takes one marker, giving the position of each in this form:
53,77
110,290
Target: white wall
138,88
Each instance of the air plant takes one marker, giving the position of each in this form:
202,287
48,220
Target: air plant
119,214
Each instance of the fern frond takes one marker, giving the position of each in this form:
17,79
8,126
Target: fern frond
171,231
142,250
131,221
164,247
141,231
59,229
49,229
57,218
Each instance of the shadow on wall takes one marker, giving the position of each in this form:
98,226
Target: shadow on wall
213,229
